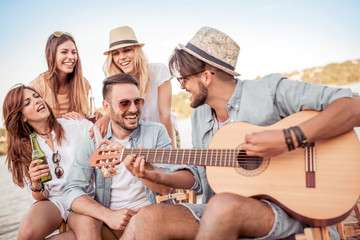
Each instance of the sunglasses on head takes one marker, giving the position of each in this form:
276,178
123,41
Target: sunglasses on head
59,34
59,171
125,104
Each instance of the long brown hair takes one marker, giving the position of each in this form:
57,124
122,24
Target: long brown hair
141,69
19,146
78,100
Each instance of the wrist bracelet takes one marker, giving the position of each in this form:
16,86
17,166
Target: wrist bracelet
297,135
42,189
288,139
304,140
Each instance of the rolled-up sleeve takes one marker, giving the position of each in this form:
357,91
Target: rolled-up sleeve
292,96
165,142
193,169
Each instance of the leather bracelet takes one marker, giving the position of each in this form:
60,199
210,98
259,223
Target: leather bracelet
42,189
304,140
288,139
297,135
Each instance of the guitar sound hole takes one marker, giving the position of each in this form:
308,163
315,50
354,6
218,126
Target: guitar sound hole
248,162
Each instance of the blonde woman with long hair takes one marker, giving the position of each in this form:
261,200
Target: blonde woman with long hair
125,55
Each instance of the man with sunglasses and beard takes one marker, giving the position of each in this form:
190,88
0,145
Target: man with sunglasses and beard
119,198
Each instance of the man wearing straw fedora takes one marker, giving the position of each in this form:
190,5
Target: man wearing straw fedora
206,66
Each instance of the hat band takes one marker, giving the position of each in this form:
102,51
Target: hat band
122,42
208,57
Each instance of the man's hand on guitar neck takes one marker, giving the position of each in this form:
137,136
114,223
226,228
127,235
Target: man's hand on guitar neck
148,174
138,167
268,143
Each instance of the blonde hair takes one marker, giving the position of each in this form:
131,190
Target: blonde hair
141,69
78,96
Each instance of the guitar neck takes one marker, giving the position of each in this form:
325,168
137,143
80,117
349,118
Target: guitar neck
199,157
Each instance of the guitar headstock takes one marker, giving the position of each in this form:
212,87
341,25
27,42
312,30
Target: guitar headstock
106,160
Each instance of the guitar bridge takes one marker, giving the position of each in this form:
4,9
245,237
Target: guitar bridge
310,165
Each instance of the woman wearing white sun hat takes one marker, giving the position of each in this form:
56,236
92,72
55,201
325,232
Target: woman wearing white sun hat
125,54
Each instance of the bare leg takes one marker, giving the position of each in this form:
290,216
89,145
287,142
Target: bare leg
230,216
165,221
129,232
85,227
42,219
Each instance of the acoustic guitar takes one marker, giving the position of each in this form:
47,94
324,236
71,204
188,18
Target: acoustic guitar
317,185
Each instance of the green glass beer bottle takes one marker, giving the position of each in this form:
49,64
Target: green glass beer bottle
37,153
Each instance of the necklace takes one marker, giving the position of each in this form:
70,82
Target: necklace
46,135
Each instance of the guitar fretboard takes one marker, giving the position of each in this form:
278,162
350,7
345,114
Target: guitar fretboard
199,157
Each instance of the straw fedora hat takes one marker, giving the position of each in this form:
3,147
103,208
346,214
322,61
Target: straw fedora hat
122,37
215,48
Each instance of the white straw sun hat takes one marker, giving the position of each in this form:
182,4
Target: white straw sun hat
215,48
122,37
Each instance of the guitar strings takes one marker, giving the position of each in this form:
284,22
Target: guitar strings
219,157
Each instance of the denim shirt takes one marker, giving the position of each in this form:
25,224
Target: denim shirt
148,134
262,103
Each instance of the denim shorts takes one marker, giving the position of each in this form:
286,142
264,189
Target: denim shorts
284,225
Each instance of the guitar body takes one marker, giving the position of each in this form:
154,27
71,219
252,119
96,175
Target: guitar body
282,179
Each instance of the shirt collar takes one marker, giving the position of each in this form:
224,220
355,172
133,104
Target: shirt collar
235,98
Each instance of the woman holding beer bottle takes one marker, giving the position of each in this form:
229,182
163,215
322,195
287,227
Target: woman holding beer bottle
26,113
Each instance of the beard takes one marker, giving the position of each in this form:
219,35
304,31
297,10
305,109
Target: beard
199,98
121,122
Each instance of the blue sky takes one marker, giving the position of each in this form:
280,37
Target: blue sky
274,36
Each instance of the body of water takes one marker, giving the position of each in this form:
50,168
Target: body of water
14,202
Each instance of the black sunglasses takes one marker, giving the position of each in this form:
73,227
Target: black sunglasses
59,171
